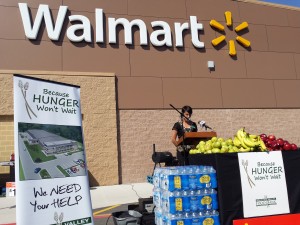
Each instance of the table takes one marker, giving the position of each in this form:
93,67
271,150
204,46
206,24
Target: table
229,185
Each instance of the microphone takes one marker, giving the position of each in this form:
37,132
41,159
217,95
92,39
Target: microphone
203,124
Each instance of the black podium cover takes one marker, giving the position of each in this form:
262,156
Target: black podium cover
229,184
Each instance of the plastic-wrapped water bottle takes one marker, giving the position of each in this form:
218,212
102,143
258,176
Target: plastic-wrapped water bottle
157,197
184,177
200,194
170,219
208,178
156,177
158,216
216,217
163,179
175,219
173,179
186,201
195,219
192,173
209,199
211,217
214,197
199,174
213,177
178,205
165,202
194,201
171,202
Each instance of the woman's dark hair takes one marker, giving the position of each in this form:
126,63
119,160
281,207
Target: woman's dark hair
188,109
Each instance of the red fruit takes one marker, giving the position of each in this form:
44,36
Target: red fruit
269,142
263,136
264,139
287,147
272,137
294,147
274,145
285,142
280,141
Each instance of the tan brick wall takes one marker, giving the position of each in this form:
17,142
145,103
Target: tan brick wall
6,140
141,128
98,102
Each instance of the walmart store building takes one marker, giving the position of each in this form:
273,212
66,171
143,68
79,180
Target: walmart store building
132,58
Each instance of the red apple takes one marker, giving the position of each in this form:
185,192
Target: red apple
294,147
285,142
263,136
280,141
269,142
287,147
274,145
272,137
264,139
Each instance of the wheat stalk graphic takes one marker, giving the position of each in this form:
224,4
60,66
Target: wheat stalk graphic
58,219
245,165
24,89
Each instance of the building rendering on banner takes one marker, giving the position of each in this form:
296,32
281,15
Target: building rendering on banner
236,62
51,143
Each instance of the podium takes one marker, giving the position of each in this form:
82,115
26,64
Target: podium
193,138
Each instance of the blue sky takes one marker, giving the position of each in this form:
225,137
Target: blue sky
285,2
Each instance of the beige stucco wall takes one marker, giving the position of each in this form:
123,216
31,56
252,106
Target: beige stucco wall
140,129
98,102
6,141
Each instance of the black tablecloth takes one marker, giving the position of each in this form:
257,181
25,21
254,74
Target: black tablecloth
229,184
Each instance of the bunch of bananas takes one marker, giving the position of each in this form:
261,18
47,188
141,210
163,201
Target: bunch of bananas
248,142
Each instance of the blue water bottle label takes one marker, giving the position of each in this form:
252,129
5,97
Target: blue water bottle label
186,204
196,221
214,183
185,182
192,181
194,203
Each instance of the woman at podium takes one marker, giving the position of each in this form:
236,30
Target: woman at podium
184,125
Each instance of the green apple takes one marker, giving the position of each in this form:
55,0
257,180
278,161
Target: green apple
224,149
202,142
229,141
208,147
221,140
217,144
214,139
215,150
192,151
235,149
224,143
202,148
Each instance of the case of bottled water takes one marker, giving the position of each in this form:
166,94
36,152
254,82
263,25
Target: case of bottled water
185,195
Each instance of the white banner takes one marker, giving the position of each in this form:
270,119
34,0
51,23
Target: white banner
263,184
51,174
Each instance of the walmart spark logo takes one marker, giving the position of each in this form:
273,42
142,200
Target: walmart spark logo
244,42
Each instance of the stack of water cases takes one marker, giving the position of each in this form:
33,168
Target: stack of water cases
185,195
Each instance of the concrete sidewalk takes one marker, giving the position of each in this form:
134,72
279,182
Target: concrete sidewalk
101,196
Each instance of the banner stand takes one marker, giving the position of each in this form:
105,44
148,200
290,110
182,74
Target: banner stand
50,161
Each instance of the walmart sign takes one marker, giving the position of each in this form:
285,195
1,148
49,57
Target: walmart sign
161,36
